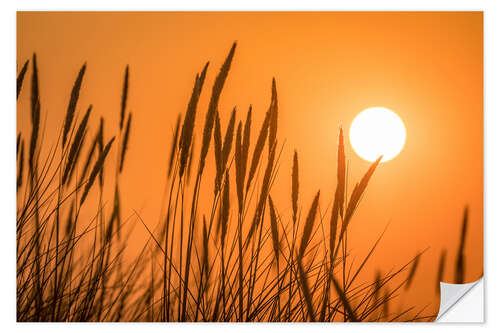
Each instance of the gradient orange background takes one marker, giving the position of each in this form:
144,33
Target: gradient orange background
329,66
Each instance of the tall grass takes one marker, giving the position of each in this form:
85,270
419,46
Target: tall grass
233,262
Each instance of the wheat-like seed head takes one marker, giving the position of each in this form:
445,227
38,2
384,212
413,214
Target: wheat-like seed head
75,93
308,226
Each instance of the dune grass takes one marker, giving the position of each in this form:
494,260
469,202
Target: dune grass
235,262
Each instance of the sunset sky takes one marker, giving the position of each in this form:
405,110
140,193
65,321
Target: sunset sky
329,66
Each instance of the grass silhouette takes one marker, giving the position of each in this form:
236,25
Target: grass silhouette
235,262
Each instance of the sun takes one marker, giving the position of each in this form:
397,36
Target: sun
377,131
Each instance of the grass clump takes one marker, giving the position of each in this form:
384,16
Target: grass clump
224,264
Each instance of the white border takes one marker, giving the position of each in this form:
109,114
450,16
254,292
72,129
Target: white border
7,147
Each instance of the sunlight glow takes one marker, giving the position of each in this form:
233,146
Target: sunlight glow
377,131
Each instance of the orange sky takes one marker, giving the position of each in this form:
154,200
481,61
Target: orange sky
427,67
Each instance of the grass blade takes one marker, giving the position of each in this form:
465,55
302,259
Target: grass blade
75,146
20,78
70,113
259,147
308,226
413,270
440,273
305,290
295,185
212,107
189,120
97,167
274,229
124,97
460,265
175,140
125,141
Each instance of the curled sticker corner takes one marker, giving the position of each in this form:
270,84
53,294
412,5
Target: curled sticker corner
461,302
